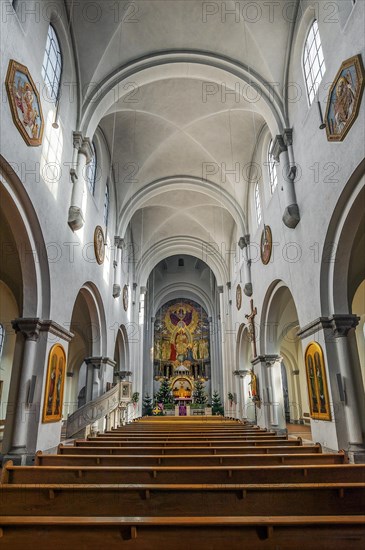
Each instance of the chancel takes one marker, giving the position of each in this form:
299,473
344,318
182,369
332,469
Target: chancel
182,275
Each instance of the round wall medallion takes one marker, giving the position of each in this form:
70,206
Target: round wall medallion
266,245
125,297
238,297
99,244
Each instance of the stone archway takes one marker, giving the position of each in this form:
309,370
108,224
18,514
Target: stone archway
84,380
283,349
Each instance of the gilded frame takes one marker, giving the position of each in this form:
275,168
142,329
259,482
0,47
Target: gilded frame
319,403
55,383
125,298
266,244
238,297
25,103
99,245
344,98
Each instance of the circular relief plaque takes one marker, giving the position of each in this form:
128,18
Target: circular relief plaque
266,245
99,244
238,297
125,297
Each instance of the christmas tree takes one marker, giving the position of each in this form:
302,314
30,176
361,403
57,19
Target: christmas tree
200,397
164,393
217,407
147,405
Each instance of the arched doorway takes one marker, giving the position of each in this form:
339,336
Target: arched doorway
342,301
286,392
84,380
24,298
246,405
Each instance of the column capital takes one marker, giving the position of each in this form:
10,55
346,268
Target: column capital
268,360
83,145
278,147
244,241
97,362
57,330
339,324
29,327
241,373
288,136
118,242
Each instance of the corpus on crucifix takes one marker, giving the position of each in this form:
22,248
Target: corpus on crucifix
251,328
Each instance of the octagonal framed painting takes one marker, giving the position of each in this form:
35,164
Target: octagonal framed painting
344,98
25,103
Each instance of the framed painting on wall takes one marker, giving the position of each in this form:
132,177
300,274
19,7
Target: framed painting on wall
53,397
25,103
344,98
317,383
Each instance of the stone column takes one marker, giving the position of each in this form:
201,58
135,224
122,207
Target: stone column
265,414
346,389
95,372
244,244
283,153
117,286
277,409
30,330
83,155
239,377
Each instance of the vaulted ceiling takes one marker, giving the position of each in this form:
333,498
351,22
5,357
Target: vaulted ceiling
164,69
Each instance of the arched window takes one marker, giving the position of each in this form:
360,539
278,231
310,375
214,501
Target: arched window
313,61
52,65
271,162
106,205
258,204
91,172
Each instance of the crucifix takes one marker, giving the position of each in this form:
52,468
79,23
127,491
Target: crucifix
251,328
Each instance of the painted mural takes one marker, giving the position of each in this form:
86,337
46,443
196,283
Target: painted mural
181,337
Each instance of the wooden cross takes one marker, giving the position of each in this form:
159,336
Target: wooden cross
251,328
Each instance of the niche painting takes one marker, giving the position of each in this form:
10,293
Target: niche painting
53,398
317,383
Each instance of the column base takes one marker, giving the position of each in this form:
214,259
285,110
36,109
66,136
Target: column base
75,218
18,459
356,453
291,216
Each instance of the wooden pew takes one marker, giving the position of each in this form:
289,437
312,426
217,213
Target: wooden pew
193,438
96,442
188,460
205,533
238,450
183,474
182,499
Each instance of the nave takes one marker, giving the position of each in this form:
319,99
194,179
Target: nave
178,481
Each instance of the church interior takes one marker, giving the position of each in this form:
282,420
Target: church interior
182,275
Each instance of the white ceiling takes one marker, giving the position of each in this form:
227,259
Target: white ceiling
167,128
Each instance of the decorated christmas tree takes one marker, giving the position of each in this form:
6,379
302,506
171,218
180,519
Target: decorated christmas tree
164,393
200,397
147,405
217,407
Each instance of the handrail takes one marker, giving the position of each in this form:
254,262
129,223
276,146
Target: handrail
99,407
